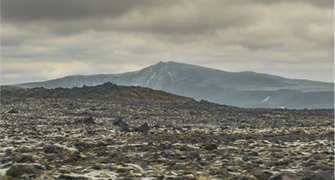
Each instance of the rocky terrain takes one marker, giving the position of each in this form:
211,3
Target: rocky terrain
117,132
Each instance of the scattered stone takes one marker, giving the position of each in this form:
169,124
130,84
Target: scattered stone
142,128
143,164
124,128
88,120
245,158
119,122
243,178
254,143
52,149
93,108
286,176
22,158
13,111
31,170
262,175
210,147
56,106
184,148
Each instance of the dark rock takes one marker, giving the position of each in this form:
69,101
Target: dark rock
142,128
74,157
56,106
88,120
127,160
52,149
103,108
13,111
245,158
22,158
119,122
58,156
84,113
243,178
5,160
184,148
252,166
152,150
282,163
195,154
110,141
18,170
254,153
102,153
143,164
169,163
210,146
124,128
169,126
323,167
269,163
286,176
262,175
320,176
93,108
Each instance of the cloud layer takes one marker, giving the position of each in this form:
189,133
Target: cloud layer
49,39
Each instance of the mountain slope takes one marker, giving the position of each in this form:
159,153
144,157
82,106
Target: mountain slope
243,89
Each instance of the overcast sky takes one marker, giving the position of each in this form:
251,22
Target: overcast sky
48,39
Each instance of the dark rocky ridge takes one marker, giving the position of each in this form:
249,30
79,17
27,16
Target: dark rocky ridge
106,91
82,133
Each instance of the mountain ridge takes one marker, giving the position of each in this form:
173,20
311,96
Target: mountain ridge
242,89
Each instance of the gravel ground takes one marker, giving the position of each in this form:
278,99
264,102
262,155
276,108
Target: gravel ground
92,138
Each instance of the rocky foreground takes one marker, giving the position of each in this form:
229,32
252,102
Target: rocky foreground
140,137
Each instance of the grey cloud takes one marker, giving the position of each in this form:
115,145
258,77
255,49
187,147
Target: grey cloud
318,3
64,10
167,17
242,33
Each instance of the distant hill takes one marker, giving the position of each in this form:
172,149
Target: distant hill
106,91
242,89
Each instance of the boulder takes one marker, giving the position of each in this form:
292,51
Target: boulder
124,128
210,146
32,170
184,148
13,111
119,122
88,120
52,149
22,158
286,176
143,128
143,164
321,176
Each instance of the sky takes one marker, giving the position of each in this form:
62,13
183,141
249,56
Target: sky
49,39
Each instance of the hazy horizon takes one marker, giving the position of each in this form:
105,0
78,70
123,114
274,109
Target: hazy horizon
153,64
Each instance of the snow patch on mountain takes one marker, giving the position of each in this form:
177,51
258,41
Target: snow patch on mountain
171,77
266,99
150,78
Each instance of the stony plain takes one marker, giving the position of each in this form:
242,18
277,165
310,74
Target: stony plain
118,132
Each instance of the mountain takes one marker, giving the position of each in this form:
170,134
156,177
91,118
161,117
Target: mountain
242,89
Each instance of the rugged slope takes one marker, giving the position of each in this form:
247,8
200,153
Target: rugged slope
106,91
242,89
80,133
